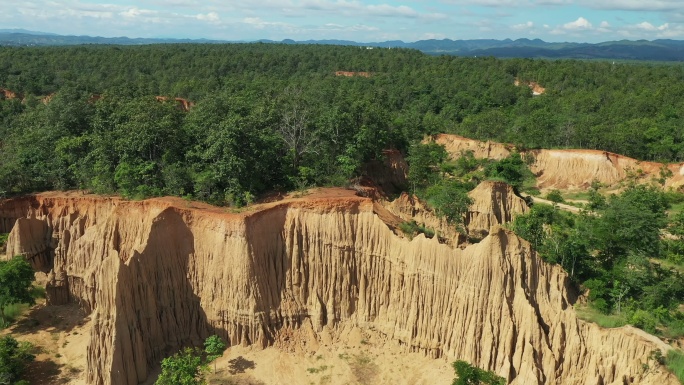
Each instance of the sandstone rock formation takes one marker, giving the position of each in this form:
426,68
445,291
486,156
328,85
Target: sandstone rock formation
410,208
456,145
162,273
570,169
536,88
352,74
8,94
494,203
183,104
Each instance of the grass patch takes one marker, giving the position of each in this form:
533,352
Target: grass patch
412,229
319,369
12,312
38,292
603,320
674,328
675,362
577,195
675,209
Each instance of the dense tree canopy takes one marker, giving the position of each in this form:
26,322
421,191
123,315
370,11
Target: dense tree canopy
269,116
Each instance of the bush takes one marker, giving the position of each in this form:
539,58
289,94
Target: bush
14,356
644,320
511,170
555,196
185,367
468,374
450,199
411,229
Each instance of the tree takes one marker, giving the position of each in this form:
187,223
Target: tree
16,276
295,128
14,356
450,200
214,347
512,169
470,375
183,368
424,161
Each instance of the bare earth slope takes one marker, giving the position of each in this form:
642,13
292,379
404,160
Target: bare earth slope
568,169
162,273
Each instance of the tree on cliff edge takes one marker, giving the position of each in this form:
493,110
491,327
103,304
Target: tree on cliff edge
16,276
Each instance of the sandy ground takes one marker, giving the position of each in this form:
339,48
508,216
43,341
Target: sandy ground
361,357
60,335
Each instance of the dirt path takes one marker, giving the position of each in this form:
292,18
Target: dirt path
561,206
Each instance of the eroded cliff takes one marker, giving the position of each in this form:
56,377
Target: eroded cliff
494,203
162,273
571,169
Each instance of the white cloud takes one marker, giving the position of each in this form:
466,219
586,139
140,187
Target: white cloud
580,23
646,26
523,26
604,24
211,17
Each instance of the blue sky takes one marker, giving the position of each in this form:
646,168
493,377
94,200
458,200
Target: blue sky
366,21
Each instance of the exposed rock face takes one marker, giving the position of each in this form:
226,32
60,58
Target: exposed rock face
570,169
410,208
352,74
161,273
494,203
456,145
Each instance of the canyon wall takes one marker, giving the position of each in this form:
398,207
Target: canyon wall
162,273
571,169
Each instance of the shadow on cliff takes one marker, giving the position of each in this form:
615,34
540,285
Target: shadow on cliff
157,310
270,265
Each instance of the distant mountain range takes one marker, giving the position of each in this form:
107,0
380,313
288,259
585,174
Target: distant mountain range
656,50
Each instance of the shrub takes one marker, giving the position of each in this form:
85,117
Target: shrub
14,356
411,229
555,196
468,374
643,320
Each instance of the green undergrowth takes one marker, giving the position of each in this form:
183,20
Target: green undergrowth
412,229
675,362
590,314
14,311
3,239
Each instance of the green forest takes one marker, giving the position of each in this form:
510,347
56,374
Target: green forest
274,117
